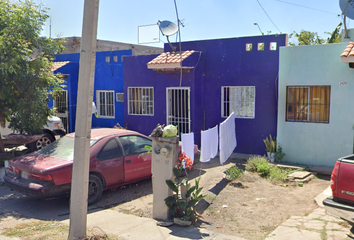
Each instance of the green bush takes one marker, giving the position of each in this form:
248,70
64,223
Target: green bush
233,173
254,161
260,165
280,174
263,169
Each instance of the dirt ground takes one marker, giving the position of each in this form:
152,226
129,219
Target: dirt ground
250,207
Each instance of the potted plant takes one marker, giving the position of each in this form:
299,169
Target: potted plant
271,145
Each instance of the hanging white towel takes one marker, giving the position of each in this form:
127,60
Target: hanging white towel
209,144
227,135
188,145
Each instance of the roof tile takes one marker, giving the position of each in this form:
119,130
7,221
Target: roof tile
170,57
57,65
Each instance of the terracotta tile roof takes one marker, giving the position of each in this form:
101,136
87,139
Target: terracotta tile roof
349,50
57,65
167,59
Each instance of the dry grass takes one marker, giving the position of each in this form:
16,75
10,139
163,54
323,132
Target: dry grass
42,230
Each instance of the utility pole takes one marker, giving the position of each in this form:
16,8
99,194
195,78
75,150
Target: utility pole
80,173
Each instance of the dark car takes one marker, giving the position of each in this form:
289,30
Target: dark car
115,159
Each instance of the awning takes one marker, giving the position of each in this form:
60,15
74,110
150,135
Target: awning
57,65
347,55
169,60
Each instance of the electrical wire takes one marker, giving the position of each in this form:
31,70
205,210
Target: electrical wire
268,16
308,7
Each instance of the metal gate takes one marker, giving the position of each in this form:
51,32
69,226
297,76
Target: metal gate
62,106
178,108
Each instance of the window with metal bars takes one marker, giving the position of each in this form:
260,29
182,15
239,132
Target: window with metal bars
105,103
141,101
240,100
308,104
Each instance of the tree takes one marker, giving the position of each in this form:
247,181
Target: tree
312,38
26,80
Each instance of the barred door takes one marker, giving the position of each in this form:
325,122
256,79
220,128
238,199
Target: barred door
62,106
178,108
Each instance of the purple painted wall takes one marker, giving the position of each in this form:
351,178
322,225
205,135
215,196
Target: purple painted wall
223,62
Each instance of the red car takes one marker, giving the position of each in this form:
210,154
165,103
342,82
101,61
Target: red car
114,161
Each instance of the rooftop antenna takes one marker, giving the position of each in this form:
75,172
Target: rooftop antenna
167,29
347,7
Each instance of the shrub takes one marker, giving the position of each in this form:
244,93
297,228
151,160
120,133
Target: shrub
233,173
263,169
254,161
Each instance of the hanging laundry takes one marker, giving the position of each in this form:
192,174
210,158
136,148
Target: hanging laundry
188,144
209,144
227,135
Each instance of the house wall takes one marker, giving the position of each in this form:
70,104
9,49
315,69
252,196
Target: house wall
317,143
108,76
221,62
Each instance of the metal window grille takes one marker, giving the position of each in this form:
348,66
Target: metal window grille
308,104
240,100
61,104
105,104
120,97
178,109
141,101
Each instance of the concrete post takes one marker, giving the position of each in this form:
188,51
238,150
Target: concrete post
164,158
80,173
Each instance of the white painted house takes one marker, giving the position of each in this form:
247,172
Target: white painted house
316,103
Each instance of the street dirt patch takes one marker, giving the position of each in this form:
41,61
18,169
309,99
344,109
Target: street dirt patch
250,207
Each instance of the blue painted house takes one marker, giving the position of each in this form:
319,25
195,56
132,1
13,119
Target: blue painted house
215,78
108,88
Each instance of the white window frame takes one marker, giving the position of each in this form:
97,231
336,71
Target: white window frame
144,105
107,93
239,101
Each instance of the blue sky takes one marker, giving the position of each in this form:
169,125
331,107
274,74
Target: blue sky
207,19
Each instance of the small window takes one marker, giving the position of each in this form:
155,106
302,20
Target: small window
105,104
260,47
273,46
134,144
115,59
120,97
107,59
308,104
111,150
141,101
240,100
249,47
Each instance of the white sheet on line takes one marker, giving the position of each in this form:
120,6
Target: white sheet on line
188,145
209,144
227,136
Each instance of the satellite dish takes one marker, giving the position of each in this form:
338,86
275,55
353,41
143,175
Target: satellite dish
168,28
347,8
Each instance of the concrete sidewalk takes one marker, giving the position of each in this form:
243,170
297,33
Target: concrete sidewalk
132,227
318,225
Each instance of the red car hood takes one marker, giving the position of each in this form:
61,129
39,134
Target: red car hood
35,162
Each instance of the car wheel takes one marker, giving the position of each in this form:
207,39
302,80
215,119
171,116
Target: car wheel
41,143
94,190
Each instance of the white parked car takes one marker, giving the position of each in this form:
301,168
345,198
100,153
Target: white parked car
52,131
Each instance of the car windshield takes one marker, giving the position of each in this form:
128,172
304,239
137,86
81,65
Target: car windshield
62,148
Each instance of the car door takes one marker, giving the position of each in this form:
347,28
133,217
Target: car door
110,163
136,165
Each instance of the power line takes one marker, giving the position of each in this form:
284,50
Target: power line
268,16
308,7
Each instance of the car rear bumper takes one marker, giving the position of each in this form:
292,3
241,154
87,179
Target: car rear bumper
33,188
341,210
